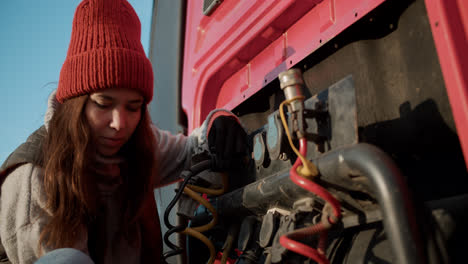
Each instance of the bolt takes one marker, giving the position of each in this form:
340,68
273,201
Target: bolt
283,156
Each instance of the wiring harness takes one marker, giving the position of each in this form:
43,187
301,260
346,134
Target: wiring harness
192,191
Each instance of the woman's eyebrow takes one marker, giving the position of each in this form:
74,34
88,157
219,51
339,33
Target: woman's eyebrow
135,101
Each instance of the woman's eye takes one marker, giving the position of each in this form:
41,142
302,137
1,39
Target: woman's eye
134,108
102,106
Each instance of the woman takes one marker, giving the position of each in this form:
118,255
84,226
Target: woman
85,180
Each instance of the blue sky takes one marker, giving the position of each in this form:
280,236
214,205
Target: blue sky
34,42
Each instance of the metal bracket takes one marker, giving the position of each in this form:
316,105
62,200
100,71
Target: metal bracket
210,5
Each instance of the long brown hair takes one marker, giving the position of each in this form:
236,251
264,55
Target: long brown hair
68,180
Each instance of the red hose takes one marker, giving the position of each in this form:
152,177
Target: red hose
289,243
303,250
312,186
320,228
322,244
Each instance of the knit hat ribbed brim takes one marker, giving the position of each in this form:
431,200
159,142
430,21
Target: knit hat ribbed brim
105,51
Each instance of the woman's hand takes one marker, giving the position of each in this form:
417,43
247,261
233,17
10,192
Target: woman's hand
227,141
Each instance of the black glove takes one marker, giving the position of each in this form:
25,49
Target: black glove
227,141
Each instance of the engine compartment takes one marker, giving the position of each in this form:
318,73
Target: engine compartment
374,93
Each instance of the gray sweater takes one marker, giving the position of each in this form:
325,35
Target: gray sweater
23,203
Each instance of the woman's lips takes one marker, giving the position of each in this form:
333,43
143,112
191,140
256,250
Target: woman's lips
112,142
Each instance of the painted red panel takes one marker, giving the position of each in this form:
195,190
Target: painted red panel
449,23
243,45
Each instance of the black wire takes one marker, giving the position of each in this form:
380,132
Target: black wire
175,249
194,170
175,199
170,232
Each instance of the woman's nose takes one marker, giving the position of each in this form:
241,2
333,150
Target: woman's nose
119,119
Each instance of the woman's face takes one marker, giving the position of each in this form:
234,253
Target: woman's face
113,115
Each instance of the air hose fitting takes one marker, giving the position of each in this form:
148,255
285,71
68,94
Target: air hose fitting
303,170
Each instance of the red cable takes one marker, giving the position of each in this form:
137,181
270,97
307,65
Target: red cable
319,228
303,250
312,186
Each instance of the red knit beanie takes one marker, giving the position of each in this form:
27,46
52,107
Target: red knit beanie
105,51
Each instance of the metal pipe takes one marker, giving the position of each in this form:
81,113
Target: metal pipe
391,192
384,179
259,196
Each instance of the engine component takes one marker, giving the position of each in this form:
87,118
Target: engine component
247,231
274,136
291,83
277,250
304,205
330,118
268,229
259,150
